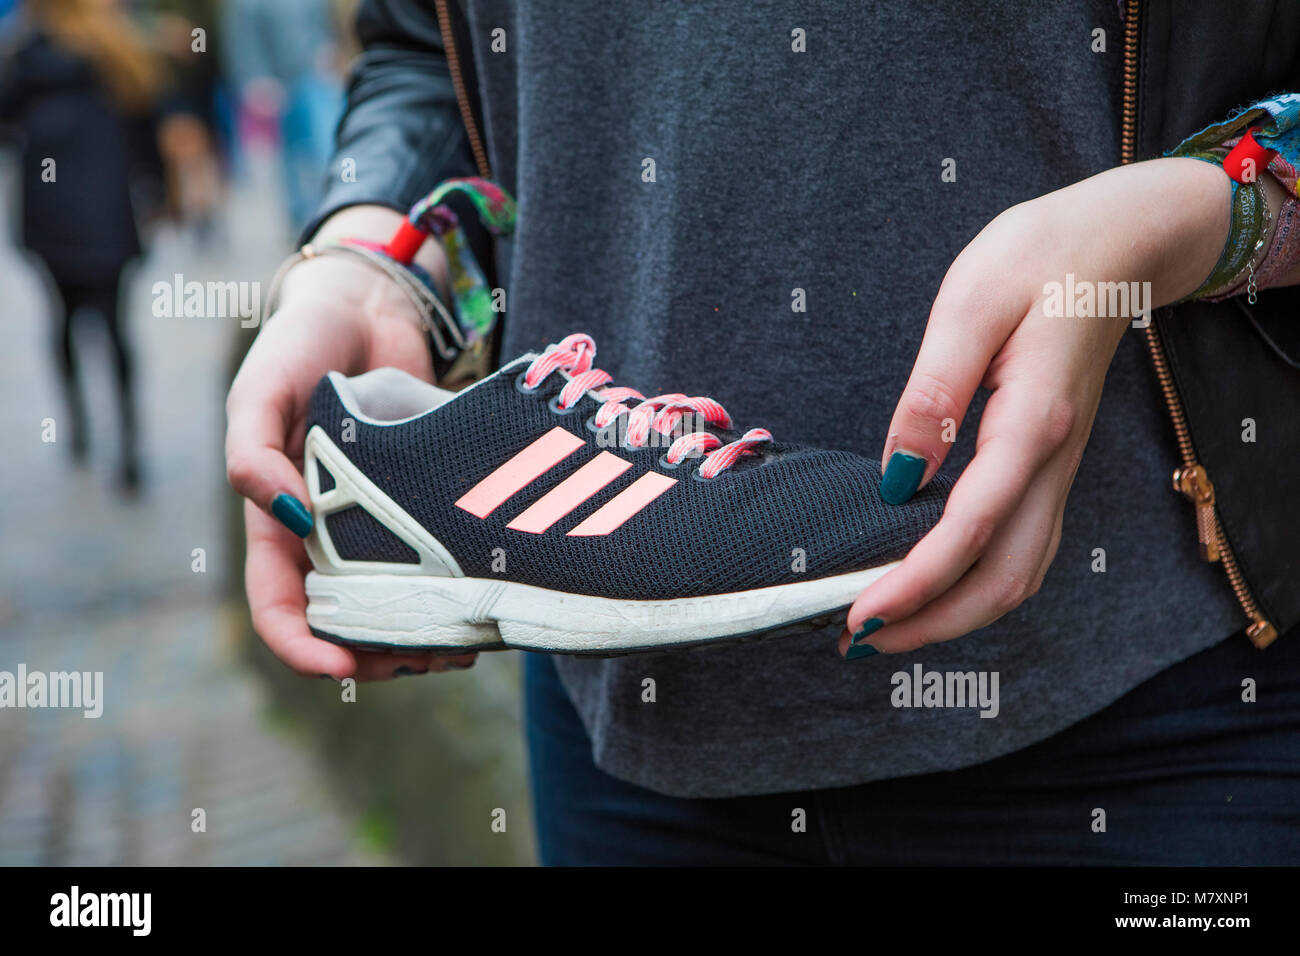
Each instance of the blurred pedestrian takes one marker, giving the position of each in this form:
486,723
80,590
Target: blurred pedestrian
80,89
190,137
283,59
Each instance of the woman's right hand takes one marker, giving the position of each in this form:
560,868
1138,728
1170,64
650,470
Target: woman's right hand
334,314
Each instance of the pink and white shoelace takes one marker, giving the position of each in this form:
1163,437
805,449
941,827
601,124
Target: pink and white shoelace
575,353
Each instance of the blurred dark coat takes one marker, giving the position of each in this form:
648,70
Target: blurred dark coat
82,223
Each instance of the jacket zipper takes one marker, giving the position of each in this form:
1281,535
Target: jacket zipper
1191,479
475,362
462,96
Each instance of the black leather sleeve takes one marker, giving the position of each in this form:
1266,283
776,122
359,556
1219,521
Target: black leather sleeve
1231,361
401,131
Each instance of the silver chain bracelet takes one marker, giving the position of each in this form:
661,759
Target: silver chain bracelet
426,302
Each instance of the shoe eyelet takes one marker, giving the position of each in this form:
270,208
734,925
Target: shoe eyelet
684,462
521,385
554,406
607,437
696,474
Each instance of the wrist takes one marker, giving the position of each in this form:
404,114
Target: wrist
351,283
1198,217
346,283
378,224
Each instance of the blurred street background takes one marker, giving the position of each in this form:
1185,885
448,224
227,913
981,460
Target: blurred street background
120,548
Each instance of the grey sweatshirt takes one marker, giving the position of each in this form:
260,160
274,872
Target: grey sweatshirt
777,170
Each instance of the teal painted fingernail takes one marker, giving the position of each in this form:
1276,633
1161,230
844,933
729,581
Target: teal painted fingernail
869,626
902,477
860,650
293,514
405,671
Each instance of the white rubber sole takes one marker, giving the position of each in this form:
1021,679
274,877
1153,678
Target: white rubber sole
459,614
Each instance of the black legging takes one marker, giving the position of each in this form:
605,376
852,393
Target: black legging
102,300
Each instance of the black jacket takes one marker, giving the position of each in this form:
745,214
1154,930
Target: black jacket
82,222
1187,64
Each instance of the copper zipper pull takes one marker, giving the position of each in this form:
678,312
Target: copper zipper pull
1196,486
1261,633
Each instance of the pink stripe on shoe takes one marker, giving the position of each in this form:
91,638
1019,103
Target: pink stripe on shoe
624,505
570,493
523,469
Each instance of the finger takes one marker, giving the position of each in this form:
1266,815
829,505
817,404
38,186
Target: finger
967,326
1019,435
461,662
1008,574
261,410
378,665
273,578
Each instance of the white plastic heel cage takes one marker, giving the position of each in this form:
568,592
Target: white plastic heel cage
353,489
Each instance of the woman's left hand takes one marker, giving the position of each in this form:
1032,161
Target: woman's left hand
993,324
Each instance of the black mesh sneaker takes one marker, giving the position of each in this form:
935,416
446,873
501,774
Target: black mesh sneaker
543,508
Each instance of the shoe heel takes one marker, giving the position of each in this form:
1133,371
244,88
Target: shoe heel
396,611
350,488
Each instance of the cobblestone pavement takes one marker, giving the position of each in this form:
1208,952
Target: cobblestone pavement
92,582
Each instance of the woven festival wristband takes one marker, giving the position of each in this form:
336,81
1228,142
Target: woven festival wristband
1284,250
1258,141
468,325
1249,211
